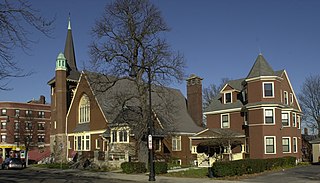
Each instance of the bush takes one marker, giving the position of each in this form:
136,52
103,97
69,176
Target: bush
133,167
250,166
160,167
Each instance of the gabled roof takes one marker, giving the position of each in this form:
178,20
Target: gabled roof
168,104
260,68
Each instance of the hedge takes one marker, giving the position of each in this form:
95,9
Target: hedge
140,167
133,167
250,166
160,167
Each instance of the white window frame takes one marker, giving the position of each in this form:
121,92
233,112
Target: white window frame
123,136
84,143
97,144
221,119
194,150
264,116
225,98
263,87
3,138
295,145
3,112
176,143
274,144
84,109
157,141
289,144
286,98
288,115
298,121
116,134
294,119
291,98
69,144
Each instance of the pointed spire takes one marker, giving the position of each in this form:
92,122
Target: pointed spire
69,50
260,68
69,23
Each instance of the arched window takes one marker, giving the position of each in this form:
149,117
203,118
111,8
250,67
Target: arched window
84,109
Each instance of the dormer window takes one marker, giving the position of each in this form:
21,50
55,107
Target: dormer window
268,90
228,98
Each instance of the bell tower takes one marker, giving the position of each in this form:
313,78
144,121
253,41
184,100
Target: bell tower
62,87
60,110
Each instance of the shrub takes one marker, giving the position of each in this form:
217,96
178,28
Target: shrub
250,166
133,167
160,167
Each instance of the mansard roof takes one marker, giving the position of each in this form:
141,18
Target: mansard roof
260,68
168,104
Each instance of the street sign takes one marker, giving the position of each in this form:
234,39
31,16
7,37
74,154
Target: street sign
150,142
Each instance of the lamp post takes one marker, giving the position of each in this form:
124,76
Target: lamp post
150,123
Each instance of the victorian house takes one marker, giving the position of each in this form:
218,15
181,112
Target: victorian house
261,111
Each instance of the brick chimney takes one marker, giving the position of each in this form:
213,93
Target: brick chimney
42,99
306,131
194,97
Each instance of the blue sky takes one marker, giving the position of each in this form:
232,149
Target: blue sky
219,38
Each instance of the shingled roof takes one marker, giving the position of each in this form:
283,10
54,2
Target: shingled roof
168,104
72,73
260,68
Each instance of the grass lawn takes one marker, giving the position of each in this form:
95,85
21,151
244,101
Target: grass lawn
191,173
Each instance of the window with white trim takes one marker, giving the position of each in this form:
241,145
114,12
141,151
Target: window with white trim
286,100
120,136
285,119
295,145
298,121
269,115
82,142
157,145
3,138
268,90
270,144
291,98
294,119
4,125
194,150
228,97
123,136
286,148
225,121
176,143
40,138
97,144
84,109
3,112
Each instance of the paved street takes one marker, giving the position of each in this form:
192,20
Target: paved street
306,174
31,176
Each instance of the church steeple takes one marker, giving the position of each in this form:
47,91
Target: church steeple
69,50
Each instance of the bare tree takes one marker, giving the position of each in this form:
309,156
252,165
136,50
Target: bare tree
309,99
16,17
130,37
210,92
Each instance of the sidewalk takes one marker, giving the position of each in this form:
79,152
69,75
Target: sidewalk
130,177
